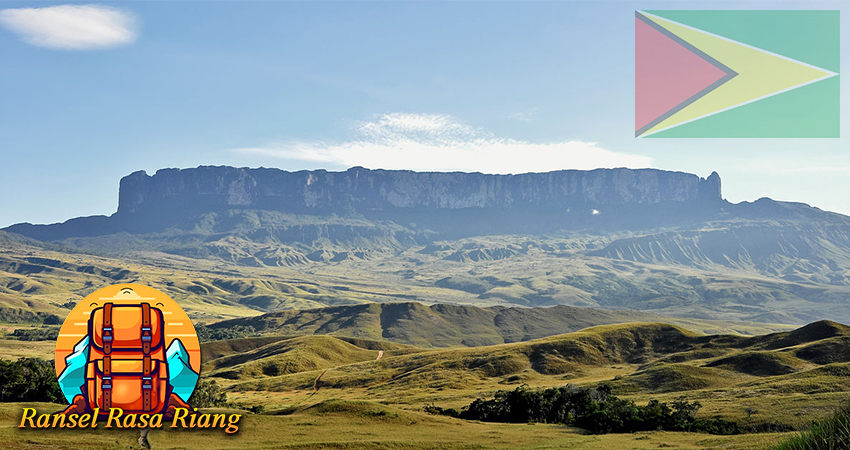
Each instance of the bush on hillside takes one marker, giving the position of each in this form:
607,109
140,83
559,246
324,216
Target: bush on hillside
208,394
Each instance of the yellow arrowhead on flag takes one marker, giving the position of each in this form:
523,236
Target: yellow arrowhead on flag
761,74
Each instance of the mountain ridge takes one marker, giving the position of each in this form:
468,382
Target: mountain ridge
446,325
476,203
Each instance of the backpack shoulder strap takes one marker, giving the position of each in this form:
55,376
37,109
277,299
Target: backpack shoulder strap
106,330
107,357
147,337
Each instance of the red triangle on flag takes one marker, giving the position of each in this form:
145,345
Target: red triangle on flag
667,74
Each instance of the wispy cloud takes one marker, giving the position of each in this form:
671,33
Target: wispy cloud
816,169
441,142
72,27
787,167
523,116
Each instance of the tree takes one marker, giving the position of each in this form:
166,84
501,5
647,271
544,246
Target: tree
208,394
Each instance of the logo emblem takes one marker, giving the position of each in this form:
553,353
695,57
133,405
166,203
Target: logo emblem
727,74
130,347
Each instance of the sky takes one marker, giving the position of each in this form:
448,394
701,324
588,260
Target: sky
92,92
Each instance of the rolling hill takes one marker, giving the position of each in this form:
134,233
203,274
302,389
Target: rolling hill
443,325
640,361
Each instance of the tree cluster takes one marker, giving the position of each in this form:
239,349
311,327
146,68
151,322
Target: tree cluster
20,315
595,410
34,334
29,380
208,334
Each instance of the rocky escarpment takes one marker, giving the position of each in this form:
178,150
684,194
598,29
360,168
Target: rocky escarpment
399,205
364,190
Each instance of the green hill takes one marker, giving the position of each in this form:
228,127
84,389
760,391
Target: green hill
640,359
443,325
759,363
286,356
563,354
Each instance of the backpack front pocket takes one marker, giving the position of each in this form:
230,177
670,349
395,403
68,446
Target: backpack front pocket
127,385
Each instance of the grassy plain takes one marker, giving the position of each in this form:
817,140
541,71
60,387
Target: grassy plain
335,392
330,390
341,424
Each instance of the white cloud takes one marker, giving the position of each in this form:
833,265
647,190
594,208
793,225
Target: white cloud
840,170
440,142
71,27
523,116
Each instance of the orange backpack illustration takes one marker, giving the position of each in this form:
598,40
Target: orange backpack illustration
127,366
116,351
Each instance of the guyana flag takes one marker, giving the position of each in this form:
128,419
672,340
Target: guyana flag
737,74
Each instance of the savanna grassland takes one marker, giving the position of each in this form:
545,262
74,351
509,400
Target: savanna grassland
319,391
343,344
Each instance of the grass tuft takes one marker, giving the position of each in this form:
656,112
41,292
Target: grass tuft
829,434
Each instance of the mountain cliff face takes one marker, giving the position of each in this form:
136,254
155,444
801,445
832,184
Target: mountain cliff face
215,188
395,205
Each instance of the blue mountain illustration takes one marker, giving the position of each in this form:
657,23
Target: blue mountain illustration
72,379
180,374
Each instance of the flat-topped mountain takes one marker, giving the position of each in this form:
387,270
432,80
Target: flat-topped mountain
309,192
401,208
452,204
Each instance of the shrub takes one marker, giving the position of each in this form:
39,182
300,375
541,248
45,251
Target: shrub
433,409
208,394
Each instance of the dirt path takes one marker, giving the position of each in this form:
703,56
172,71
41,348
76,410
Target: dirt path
316,381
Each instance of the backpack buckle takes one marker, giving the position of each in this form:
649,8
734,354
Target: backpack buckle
146,334
107,382
107,338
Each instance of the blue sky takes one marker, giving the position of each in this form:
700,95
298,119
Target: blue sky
496,87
